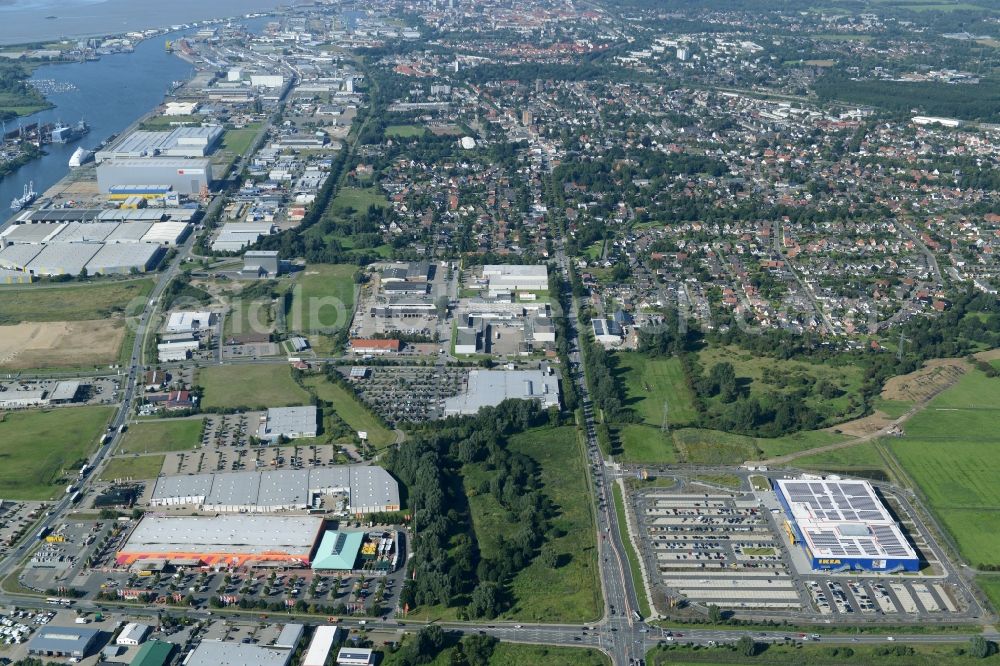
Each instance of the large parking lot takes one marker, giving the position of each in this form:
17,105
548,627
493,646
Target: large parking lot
703,546
714,548
409,393
61,557
15,519
251,459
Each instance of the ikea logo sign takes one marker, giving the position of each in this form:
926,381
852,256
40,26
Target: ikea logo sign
829,561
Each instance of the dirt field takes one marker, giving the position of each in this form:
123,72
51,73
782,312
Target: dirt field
936,375
58,344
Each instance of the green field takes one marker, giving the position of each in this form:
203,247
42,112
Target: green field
896,654
649,382
73,303
859,458
800,441
646,444
357,199
250,387
323,299
35,446
162,436
520,654
404,131
570,592
249,314
351,410
724,480
990,583
238,141
951,450
133,467
892,408
713,447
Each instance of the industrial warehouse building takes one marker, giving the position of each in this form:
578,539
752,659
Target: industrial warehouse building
261,263
122,259
288,423
364,488
133,633
184,176
179,142
319,647
234,236
842,524
224,653
8,276
223,540
488,388
51,641
89,215
511,277
100,248
63,392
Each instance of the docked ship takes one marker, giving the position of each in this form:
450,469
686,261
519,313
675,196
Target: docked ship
30,195
65,133
79,157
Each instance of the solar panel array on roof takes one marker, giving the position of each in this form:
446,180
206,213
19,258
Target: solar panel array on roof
844,519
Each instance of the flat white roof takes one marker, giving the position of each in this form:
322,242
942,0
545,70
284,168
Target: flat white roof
518,270
320,645
166,232
367,486
225,653
18,256
59,258
844,519
487,388
239,533
288,421
122,255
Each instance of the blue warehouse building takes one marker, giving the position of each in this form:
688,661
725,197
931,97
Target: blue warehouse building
842,524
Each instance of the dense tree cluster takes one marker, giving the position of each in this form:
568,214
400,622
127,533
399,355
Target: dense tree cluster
447,567
977,102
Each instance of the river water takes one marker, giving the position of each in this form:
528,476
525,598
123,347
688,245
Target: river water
109,94
25,21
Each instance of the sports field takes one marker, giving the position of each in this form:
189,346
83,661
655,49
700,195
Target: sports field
349,408
162,436
404,131
323,298
73,303
650,382
36,445
60,344
250,387
951,450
